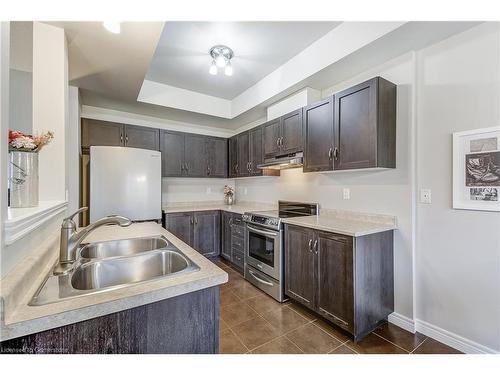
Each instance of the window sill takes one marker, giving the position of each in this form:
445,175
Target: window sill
21,221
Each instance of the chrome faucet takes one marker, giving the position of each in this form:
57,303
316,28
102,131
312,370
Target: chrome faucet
70,238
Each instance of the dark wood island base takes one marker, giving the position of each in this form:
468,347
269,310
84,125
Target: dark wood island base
187,323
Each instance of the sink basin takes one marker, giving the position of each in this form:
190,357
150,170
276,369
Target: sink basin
126,270
107,249
115,264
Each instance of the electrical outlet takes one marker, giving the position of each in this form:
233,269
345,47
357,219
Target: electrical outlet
425,196
346,193
209,190
245,191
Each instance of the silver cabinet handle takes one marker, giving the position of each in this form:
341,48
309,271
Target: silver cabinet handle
336,153
277,142
315,247
259,279
126,138
281,141
309,245
121,138
330,153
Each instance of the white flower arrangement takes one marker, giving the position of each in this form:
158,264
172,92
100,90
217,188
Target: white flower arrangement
228,191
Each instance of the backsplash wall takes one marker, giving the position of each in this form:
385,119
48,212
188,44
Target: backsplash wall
175,190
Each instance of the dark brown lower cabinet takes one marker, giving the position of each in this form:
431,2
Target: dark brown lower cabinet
300,268
347,280
226,222
180,224
180,325
207,232
233,239
200,230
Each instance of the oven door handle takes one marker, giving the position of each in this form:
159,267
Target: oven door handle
260,231
259,279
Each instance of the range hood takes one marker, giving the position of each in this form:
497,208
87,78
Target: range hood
294,160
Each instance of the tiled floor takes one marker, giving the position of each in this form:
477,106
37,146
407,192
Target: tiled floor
251,322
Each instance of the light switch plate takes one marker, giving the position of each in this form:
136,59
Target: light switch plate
209,190
346,193
425,196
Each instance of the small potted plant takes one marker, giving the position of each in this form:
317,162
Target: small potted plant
228,195
23,167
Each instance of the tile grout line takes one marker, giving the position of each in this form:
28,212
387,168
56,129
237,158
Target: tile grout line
419,345
390,342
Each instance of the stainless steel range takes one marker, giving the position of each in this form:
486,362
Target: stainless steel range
264,251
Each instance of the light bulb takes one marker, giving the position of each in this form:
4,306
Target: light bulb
213,69
113,27
228,70
220,61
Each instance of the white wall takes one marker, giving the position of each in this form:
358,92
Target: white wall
50,88
458,251
21,111
72,150
176,190
385,192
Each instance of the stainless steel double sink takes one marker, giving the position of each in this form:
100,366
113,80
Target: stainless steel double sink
102,266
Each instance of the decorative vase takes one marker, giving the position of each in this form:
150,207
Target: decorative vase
228,199
23,179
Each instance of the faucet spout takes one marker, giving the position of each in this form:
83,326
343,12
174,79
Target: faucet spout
70,238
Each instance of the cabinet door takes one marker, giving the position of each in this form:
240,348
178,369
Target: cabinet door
101,133
318,136
356,126
291,132
172,154
217,157
233,156
207,232
300,265
195,155
271,135
335,278
180,224
255,147
227,221
142,137
243,153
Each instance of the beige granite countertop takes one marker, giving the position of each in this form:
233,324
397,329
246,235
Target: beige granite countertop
18,287
239,207
346,222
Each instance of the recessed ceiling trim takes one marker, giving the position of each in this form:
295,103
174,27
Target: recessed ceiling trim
343,40
175,97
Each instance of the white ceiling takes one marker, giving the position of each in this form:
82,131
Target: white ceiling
181,58
107,63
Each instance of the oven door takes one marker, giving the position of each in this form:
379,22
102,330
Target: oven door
263,250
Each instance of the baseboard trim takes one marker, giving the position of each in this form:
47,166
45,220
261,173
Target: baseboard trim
440,334
402,322
452,339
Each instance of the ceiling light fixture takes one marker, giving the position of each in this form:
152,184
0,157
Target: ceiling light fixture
221,58
113,27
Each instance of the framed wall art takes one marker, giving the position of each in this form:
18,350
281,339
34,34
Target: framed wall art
476,169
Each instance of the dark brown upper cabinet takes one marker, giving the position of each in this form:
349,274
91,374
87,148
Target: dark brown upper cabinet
192,155
172,153
217,157
104,133
283,135
195,156
233,156
141,137
365,126
318,136
272,134
243,151
255,151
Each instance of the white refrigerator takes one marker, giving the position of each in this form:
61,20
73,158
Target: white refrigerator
125,181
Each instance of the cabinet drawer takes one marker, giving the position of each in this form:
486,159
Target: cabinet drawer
238,243
238,258
238,230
